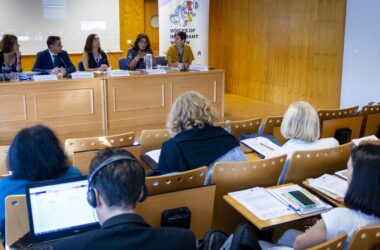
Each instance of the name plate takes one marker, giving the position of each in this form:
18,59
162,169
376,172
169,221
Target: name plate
45,78
198,67
153,71
82,74
118,72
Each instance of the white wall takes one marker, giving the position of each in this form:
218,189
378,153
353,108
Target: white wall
361,59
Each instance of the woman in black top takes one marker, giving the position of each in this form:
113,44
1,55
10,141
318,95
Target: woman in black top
136,54
10,55
94,58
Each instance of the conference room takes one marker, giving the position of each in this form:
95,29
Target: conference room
189,124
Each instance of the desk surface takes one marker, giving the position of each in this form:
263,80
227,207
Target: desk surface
323,196
261,224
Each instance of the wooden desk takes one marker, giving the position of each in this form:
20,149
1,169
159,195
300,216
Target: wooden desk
323,196
261,224
100,106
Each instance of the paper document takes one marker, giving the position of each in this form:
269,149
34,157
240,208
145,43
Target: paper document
331,186
342,174
261,145
154,154
261,203
365,138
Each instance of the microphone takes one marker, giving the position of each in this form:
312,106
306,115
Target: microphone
115,57
67,75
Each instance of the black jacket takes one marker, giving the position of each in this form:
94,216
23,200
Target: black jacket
195,148
130,231
44,63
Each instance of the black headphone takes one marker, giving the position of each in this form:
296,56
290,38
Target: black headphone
91,198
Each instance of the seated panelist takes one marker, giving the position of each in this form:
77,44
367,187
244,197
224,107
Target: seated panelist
94,58
180,54
10,55
136,54
54,60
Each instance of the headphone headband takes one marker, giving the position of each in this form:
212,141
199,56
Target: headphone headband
106,162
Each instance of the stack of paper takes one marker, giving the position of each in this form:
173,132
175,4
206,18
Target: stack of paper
331,186
261,203
261,145
342,174
281,193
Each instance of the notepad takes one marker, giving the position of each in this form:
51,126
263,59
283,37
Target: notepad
330,185
261,145
261,203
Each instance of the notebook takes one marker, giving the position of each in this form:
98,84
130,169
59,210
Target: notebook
58,209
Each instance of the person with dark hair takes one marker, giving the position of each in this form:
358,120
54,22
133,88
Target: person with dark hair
361,200
136,54
179,54
10,55
116,184
34,155
94,58
54,60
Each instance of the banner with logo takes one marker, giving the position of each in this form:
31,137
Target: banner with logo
188,16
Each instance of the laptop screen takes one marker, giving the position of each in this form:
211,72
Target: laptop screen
59,208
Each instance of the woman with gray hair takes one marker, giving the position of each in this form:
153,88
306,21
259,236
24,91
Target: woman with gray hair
197,139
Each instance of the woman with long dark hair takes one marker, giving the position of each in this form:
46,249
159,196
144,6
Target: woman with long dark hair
94,58
136,54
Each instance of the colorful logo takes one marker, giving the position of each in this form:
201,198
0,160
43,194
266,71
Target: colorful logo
184,13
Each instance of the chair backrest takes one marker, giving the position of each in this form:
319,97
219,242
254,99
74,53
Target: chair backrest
329,114
3,160
161,60
16,218
123,63
371,119
200,202
365,238
80,66
272,126
175,182
250,126
92,143
314,163
153,139
334,244
235,176
330,126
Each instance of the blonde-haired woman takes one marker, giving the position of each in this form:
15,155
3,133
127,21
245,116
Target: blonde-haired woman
301,126
197,140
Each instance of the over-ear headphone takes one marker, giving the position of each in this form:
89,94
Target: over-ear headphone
91,198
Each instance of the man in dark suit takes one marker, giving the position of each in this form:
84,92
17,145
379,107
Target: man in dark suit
54,60
116,183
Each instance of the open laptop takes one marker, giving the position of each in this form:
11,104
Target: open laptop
58,209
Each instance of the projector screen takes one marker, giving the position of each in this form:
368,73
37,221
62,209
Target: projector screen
32,21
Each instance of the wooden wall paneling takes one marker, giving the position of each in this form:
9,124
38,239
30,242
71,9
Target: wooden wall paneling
151,9
279,51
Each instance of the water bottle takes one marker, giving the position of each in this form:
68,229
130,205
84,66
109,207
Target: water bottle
228,126
148,61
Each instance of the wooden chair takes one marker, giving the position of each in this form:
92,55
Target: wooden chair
329,114
244,126
16,219
330,126
371,119
153,139
199,200
93,143
334,244
376,142
235,176
272,126
82,159
3,160
365,238
175,182
314,163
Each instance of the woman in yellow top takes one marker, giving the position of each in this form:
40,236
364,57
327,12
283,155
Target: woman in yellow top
179,54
